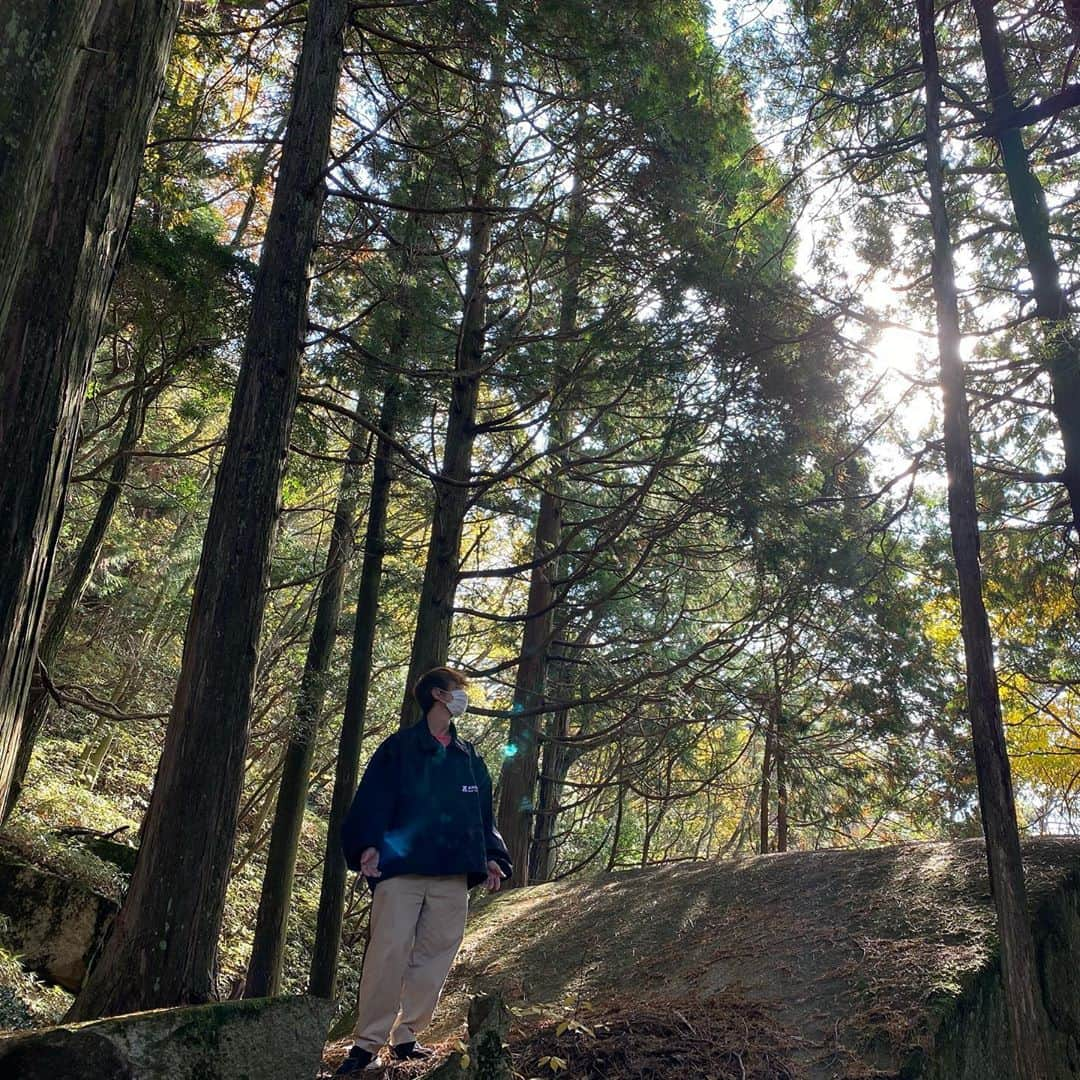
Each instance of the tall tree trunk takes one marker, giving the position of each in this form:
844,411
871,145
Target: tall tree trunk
271,922
613,858
86,559
1062,361
779,752
646,838
162,948
435,608
652,827
324,959
766,775
54,317
558,755
1023,999
517,786
555,765
41,46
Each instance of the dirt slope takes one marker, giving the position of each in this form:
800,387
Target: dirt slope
856,955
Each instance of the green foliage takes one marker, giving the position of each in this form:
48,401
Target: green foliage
26,1001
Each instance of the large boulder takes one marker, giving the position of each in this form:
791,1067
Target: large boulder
54,923
259,1039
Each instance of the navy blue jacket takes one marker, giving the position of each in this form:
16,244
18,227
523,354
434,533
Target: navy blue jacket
426,808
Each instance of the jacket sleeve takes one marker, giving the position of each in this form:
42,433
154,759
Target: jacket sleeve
494,844
372,811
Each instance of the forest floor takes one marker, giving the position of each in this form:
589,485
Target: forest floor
817,964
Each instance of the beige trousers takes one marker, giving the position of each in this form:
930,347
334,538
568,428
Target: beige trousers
417,924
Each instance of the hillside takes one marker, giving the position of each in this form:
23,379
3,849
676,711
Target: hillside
864,963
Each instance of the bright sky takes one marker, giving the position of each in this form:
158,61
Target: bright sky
902,357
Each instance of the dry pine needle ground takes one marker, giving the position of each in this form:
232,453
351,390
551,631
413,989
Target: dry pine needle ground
715,1038
721,1037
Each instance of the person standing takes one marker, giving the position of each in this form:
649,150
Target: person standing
421,831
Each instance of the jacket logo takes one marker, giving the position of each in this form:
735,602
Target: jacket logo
469,789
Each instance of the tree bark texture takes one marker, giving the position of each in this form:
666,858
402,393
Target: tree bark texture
324,959
779,752
616,829
1023,998
556,760
766,780
86,559
162,948
54,318
1061,357
41,47
271,922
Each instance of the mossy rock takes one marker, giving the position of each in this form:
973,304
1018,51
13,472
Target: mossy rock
259,1039
55,924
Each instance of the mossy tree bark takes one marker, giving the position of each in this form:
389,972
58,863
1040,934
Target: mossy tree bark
54,316
272,920
1061,358
324,959
1023,998
162,949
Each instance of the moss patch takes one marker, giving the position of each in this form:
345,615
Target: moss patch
66,857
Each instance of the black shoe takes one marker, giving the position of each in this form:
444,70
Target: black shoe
411,1051
357,1061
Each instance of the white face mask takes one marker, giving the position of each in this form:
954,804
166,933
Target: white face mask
458,703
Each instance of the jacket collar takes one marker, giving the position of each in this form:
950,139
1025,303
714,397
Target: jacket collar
428,743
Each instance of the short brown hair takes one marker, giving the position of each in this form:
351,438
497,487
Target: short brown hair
441,678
